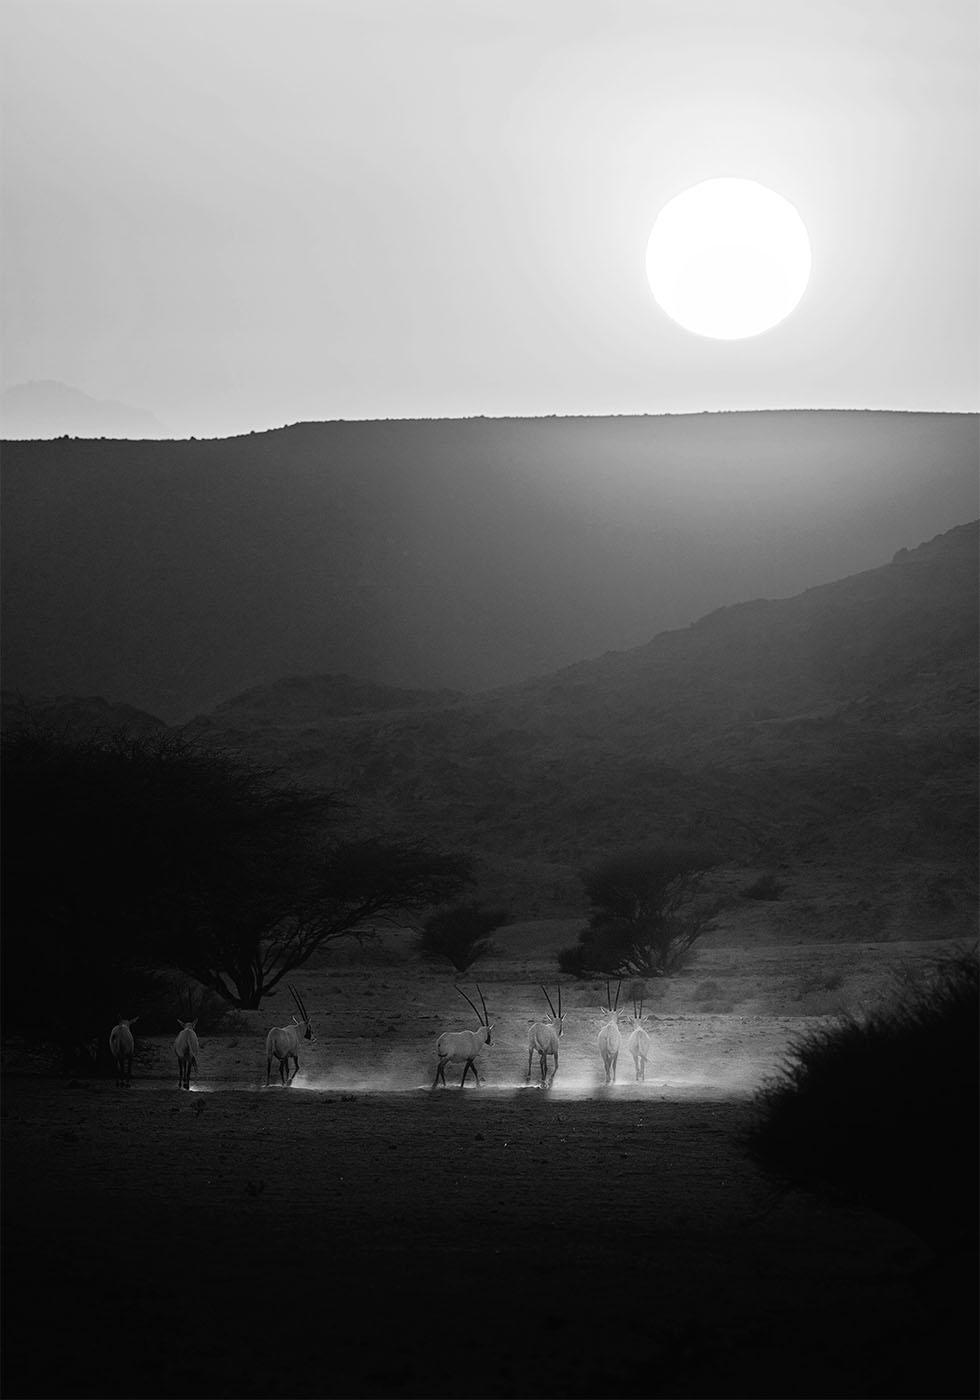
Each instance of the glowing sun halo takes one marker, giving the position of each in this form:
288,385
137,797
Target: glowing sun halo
728,259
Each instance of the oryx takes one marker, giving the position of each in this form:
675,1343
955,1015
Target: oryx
186,1047
453,1046
121,1048
638,1043
610,1038
282,1043
542,1040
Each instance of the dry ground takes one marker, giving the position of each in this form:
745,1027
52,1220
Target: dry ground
363,1236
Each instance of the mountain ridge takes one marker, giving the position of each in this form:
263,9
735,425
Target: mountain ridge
847,733
834,731
459,554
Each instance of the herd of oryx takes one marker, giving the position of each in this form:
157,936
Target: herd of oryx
282,1043
542,1041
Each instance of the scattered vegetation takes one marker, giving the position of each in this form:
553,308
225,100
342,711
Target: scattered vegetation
460,933
648,911
881,1110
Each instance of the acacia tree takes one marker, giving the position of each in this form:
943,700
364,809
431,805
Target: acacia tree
460,933
344,890
648,910
125,852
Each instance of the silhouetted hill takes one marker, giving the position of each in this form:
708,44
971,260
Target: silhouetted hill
837,727
462,554
303,704
46,408
81,717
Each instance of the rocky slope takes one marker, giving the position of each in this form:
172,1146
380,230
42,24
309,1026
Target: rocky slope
838,726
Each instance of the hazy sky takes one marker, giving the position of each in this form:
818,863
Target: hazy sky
238,214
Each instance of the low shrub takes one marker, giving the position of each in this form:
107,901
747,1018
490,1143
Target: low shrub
880,1110
765,887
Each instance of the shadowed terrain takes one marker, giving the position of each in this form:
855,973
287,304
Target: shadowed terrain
358,1235
836,730
462,554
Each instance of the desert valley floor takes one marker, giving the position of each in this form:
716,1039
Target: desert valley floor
359,1234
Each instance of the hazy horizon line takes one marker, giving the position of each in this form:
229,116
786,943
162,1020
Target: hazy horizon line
479,418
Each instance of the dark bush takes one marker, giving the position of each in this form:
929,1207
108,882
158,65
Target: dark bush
881,1111
459,934
574,961
766,887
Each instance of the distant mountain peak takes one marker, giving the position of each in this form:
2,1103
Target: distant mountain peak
47,408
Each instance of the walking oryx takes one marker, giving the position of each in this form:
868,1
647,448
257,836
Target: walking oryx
186,1047
542,1040
121,1049
639,1041
282,1043
453,1046
610,1038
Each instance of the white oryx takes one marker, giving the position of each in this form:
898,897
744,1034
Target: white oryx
186,1047
121,1048
639,1042
610,1038
542,1040
282,1043
453,1046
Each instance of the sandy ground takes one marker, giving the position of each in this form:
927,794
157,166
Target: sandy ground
360,1235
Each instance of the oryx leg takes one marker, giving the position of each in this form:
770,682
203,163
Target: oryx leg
530,1056
544,1069
466,1069
268,1072
440,1074
555,1070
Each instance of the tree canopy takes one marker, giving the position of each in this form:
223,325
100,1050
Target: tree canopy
648,910
123,852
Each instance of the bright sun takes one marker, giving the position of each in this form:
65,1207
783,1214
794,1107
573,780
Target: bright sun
728,258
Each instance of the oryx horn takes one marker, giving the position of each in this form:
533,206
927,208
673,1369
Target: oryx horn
486,1018
299,1002
548,1000
618,985
473,1004
559,1001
